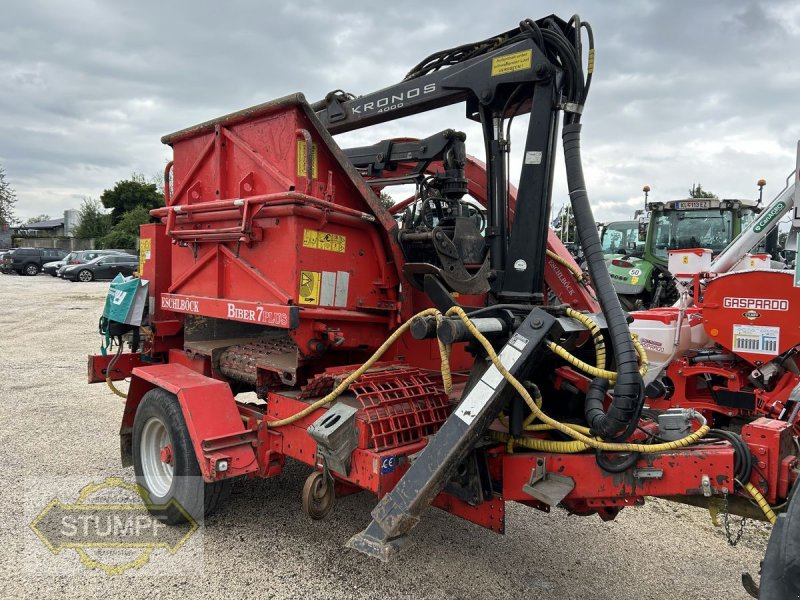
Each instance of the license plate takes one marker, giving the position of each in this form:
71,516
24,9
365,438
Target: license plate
692,204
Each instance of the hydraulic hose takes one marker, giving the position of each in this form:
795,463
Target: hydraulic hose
628,394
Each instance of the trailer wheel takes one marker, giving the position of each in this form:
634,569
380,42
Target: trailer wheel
318,495
165,463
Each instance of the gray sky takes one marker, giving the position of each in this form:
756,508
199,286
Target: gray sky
684,91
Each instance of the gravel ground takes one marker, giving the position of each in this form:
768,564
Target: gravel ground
262,545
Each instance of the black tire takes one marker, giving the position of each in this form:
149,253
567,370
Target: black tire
85,275
780,569
186,487
30,269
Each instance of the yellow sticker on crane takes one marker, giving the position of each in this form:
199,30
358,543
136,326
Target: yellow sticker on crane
144,252
321,240
686,260
510,63
308,292
302,160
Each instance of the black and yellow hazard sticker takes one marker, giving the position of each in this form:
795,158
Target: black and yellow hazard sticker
144,252
308,293
321,240
509,63
302,159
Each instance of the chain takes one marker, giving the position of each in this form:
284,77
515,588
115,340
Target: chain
732,540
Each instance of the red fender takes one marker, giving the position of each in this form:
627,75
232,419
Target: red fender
211,415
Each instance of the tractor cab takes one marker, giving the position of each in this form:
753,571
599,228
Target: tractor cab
695,223
621,238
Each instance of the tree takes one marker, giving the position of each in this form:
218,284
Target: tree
126,232
94,222
697,191
37,219
387,201
129,194
7,200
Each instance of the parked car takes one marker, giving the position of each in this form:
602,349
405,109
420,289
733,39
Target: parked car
29,261
51,268
84,256
102,267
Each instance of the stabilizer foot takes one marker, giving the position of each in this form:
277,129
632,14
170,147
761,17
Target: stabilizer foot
373,542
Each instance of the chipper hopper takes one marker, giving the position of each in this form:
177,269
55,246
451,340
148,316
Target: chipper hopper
415,352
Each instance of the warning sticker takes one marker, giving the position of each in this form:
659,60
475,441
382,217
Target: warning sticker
480,395
308,292
756,339
144,252
509,63
302,159
324,241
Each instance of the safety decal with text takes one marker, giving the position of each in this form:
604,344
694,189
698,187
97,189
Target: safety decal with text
480,395
321,240
144,252
509,63
324,288
302,159
308,292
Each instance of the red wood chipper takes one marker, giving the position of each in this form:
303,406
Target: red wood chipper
447,351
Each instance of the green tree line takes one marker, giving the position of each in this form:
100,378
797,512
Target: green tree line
129,203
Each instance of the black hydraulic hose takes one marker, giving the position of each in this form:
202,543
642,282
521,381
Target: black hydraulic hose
628,396
609,466
743,458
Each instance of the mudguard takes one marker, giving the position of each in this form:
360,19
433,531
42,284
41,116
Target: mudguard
211,416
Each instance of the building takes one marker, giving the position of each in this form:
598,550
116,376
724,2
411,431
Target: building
51,228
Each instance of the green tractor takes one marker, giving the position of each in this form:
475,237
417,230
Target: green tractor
637,251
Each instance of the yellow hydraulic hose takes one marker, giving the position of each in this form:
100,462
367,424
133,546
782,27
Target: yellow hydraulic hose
515,383
575,272
113,388
761,501
594,371
345,383
597,335
109,381
563,428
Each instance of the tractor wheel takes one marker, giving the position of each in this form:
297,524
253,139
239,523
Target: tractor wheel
31,269
86,275
165,463
318,495
780,569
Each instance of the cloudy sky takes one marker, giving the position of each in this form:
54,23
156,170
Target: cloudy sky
684,91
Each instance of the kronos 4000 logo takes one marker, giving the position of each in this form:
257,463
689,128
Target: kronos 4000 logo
393,101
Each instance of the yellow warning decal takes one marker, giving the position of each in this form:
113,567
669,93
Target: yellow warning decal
509,63
302,159
308,293
324,241
686,260
144,252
